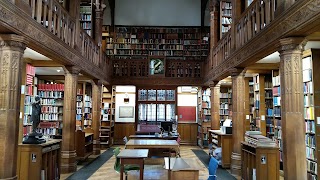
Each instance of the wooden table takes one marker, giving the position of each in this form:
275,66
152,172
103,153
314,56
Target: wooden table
153,137
153,144
183,168
133,156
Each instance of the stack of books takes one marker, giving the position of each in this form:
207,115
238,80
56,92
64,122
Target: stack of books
255,138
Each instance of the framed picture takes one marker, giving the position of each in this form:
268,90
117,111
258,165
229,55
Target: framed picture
126,112
156,65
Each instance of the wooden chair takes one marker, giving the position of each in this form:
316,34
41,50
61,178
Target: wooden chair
117,165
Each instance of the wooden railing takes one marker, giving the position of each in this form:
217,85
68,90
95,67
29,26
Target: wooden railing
176,68
221,52
51,15
89,49
255,18
140,68
132,68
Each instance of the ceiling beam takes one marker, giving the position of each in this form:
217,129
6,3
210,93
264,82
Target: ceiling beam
42,63
61,77
263,66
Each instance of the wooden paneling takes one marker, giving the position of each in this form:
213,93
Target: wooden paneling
188,133
121,130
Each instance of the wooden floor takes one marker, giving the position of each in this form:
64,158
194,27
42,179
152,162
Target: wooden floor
154,172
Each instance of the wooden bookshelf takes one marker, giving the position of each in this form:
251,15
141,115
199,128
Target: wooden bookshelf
205,118
259,113
39,161
51,95
276,92
84,143
190,43
223,141
259,162
225,17
311,87
87,106
107,119
268,105
225,104
28,94
87,16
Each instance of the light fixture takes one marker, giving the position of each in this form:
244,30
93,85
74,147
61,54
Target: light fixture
58,70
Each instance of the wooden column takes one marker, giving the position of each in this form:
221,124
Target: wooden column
215,105
96,114
214,25
11,50
68,151
293,125
238,118
98,22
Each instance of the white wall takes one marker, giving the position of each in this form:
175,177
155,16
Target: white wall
187,100
158,12
120,95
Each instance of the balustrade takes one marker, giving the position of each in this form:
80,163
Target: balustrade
51,15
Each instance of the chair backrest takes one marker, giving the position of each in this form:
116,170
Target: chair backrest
116,166
125,139
213,166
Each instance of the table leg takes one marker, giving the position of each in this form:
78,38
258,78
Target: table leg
121,171
141,169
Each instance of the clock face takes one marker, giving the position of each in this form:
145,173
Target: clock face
156,66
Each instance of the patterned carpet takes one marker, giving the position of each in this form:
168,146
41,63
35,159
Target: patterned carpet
104,169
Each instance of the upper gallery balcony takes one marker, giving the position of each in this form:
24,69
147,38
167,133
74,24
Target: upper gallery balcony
256,30
51,29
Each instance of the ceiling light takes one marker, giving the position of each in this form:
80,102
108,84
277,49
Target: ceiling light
58,70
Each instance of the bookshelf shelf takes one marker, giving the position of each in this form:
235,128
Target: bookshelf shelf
175,42
225,104
107,118
311,109
225,17
205,117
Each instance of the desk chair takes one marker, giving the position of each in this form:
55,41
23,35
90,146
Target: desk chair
213,166
117,165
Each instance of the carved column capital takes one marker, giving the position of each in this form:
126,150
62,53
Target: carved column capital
74,70
292,44
12,41
234,72
97,82
214,84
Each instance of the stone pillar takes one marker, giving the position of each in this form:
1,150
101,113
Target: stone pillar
11,50
293,125
215,105
96,114
214,25
238,118
68,151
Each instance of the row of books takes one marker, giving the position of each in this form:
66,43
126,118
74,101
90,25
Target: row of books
311,153
85,17
308,87
79,104
27,110
277,111
276,81
225,95
51,102
277,101
276,91
308,100
48,131
49,125
206,111
51,94
310,127
51,109
224,112
30,70
51,117
255,138
87,122
206,104
312,166
310,141
86,25
309,113
224,106
50,87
